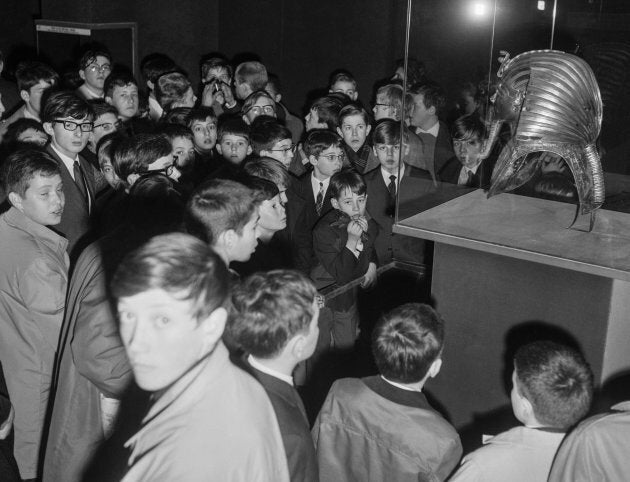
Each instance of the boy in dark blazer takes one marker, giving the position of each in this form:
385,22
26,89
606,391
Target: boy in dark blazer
274,318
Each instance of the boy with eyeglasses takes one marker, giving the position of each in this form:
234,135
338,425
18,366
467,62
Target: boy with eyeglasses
383,185
105,122
94,67
68,120
270,138
257,104
309,196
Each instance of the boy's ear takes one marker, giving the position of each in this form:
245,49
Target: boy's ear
368,129
312,160
82,74
435,367
25,96
405,149
296,346
249,149
228,238
245,119
334,203
277,97
15,200
150,85
264,153
432,110
108,99
132,178
48,129
212,328
355,96
219,150
339,131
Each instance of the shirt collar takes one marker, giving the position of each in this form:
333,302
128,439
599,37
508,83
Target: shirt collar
432,131
15,218
28,115
315,183
67,161
269,371
401,386
387,174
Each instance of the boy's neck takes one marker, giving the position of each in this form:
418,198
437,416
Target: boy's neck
97,92
430,123
279,364
319,176
265,234
222,251
31,111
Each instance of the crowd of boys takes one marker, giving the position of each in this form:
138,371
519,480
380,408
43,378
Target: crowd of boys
173,239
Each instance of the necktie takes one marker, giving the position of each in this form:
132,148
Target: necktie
319,202
391,187
469,178
79,180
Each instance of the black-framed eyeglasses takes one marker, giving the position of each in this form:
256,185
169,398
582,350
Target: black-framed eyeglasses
382,105
167,171
108,126
99,68
333,157
286,149
264,109
72,126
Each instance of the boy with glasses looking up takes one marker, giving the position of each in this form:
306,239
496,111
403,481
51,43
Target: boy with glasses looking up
94,67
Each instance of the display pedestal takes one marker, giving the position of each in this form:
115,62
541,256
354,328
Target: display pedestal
506,265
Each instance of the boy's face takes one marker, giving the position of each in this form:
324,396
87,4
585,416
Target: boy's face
183,151
246,242
389,156
420,116
272,214
345,87
234,148
110,175
218,73
262,106
328,162
103,125
34,95
43,200
204,134
312,121
354,130
95,74
382,108
33,136
67,142
282,151
350,203
125,99
162,338
467,151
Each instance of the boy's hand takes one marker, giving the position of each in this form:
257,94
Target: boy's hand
362,220
369,279
228,95
355,229
209,94
7,425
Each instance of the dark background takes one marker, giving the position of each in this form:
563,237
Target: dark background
304,41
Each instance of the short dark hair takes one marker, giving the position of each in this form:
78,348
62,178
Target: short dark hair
134,154
156,64
388,131
171,88
346,179
235,126
179,264
93,51
269,169
30,73
216,206
341,76
268,309
265,132
433,95
120,78
253,74
15,129
353,109
66,104
107,145
101,107
173,131
328,108
262,189
178,115
318,140
200,114
556,380
214,63
416,71
21,166
468,127
406,341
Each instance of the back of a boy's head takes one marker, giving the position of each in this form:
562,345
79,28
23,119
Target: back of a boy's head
269,169
406,341
348,179
328,108
341,76
253,74
173,131
268,309
433,95
234,126
318,140
216,206
100,107
134,154
30,73
22,165
556,380
388,131
120,78
156,64
20,126
62,104
265,132
393,94
171,88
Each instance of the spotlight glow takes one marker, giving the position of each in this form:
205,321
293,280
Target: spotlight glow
541,4
479,9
